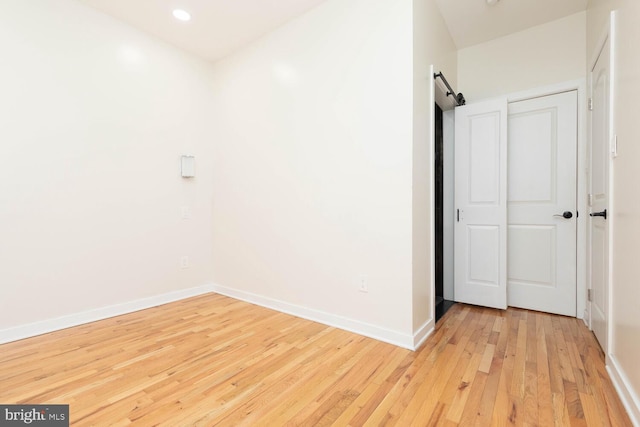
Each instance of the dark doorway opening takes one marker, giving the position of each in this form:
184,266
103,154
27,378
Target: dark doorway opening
441,305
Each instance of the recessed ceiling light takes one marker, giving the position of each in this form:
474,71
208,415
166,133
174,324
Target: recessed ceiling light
492,2
181,15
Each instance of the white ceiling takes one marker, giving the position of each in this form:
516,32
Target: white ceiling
474,21
219,27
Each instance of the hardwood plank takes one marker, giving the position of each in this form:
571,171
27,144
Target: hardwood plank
487,357
487,401
212,360
590,410
545,410
458,403
505,350
517,381
470,411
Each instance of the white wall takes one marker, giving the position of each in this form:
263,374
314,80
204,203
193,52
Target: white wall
624,317
313,142
312,166
432,45
540,56
94,116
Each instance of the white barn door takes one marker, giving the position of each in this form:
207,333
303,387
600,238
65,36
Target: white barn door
481,203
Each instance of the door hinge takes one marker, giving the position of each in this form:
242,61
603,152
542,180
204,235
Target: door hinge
590,104
589,296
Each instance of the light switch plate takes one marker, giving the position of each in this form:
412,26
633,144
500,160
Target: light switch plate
188,166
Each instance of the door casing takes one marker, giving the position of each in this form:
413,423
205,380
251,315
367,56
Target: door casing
607,36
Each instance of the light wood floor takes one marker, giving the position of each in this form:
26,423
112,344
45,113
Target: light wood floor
212,360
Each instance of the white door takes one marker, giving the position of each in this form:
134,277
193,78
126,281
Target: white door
598,195
542,222
481,195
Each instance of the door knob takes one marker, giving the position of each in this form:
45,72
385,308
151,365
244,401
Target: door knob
565,215
602,214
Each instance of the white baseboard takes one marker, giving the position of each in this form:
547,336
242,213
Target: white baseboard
625,391
423,333
361,328
586,319
50,325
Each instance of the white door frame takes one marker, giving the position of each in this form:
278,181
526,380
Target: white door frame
608,34
582,180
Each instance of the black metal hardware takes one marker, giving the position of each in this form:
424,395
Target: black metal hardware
458,97
602,214
565,215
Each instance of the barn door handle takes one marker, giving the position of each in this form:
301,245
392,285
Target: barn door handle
565,215
602,214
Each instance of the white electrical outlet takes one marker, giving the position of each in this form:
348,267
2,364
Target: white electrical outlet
184,262
364,284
